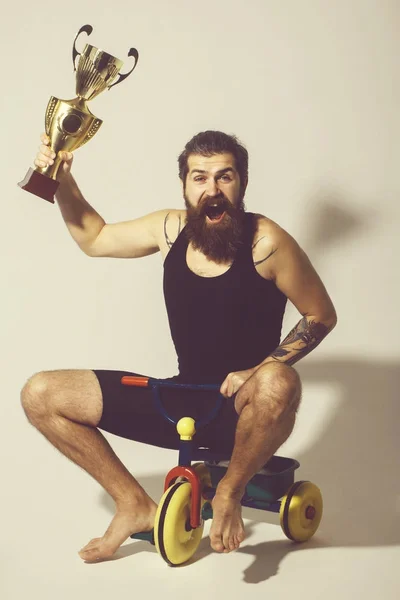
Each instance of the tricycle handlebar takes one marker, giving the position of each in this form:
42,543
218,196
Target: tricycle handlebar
156,384
151,382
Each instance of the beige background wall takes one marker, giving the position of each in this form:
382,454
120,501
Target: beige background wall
312,88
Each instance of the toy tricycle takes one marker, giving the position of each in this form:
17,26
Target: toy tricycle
188,488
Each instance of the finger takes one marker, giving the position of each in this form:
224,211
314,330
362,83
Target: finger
45,139
225,387
40,163
238,384
45,158
47,151
67,156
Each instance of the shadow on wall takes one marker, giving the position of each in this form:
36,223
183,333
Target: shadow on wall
331,223
355,459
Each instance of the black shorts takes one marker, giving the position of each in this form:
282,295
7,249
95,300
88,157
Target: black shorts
130,412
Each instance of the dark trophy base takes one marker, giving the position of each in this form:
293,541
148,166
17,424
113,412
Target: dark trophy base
40,185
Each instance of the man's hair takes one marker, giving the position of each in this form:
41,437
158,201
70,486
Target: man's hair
208,143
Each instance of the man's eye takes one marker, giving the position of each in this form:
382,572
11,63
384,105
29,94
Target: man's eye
225,177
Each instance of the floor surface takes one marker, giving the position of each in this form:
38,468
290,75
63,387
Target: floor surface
60,508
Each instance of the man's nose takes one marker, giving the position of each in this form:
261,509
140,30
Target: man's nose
212,188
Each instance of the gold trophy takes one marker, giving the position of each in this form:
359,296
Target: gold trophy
69,123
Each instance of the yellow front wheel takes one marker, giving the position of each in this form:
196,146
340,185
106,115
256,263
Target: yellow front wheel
175,541
301,511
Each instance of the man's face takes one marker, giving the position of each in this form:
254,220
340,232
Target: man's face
214,201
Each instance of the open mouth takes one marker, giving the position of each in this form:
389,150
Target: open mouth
215,213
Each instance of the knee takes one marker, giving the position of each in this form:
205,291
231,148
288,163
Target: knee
34,396
278,386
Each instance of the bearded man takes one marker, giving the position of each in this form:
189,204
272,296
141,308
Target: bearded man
227,276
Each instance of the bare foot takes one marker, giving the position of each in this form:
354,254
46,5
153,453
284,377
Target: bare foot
227,529
128,519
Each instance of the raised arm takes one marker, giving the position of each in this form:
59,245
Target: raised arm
129,239
95,237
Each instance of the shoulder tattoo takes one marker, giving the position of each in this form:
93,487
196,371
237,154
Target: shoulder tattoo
167,238
258,262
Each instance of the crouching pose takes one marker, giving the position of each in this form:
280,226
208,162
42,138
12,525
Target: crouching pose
227,276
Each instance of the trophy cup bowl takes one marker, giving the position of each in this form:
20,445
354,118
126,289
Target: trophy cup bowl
69,123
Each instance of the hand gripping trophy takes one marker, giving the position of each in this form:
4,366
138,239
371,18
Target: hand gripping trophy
69,123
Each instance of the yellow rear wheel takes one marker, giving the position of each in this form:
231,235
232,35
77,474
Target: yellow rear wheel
301,511
175,541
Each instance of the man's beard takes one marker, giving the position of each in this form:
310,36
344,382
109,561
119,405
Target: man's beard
221,240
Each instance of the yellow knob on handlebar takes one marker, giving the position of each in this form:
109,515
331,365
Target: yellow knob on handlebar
186,428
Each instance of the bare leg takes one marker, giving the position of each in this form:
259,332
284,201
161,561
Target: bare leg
267,405
66,406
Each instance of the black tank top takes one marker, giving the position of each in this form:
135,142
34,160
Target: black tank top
221,324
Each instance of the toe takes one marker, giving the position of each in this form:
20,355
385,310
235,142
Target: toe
232,543
227,543
217,544
95,554
89,554
218,547
90,545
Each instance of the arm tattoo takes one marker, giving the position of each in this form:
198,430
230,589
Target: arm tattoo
254,245
167,238
169,243
258,262
179,228
310,333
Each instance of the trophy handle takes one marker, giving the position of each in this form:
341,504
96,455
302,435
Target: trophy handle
132,52
51,106
87,29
